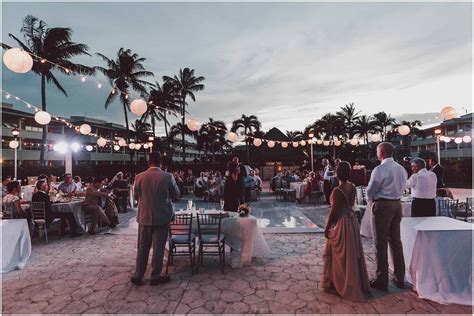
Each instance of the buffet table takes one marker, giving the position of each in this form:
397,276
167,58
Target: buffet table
16,244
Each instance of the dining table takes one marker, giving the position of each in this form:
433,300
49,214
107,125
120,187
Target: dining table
299,187
73,206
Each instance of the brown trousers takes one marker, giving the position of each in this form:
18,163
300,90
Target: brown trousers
386,219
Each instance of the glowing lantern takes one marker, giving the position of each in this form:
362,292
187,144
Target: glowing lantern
302,143
353,142
404,130
138,107
295,144
116,147
89,148
448,113
193,124
284,144
232,137
467,139
257,142
122,142
138,146
145,146
101,142
85,129
271,144
42,117
131,146
17,60
446,139
14,144
458,140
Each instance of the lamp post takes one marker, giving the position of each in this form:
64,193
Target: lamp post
438,135
14,145
311,135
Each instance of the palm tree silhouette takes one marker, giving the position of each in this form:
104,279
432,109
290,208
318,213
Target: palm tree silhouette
142,132
294,136
330,126
54,45
247,125
364,125
177,129
186,84
124,74
383,120
212,136
348,115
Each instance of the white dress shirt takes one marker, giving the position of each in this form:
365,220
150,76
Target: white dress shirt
387,181
328,173
423,184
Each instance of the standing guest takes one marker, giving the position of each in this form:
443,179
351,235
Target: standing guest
78,183
154,190
92,204
201,185
423,189
179,181
345,271
67,186
5,181
438,170
42,195
386,187
121,190
328,173
232,189
190,178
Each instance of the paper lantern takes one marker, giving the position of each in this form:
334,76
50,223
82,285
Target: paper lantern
458,140
122,142
295,144
467,139
14,144
150,144
232,137
404,130
85,129
448,113
376,138
42,117
89,148
257,142
116,147
446,139
302,143
138,107
17,60
284,144
353,142
309,141
271,144
193,124
138,146
101,142
337,142
131,146
145,146
326,143
319,141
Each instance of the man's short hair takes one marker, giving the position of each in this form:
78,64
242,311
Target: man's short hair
421,163
387,148
40,183
154,158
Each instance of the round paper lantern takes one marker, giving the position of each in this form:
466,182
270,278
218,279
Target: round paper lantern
448,113
138,146
458,140
295,144
403,130
116,147
376,137
284,144
145,146
446,139
309,141
319,141
42,117
257,142
271,144
17,60
302,143
326,143
337,142
101,142
138,107
467,139
232,137
193,124
122,142
89,148
85,129
353,142
14,144
150,144
131,146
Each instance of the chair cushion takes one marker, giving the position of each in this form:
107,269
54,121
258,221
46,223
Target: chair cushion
182,239
212,238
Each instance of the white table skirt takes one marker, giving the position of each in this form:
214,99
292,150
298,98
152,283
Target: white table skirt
16,244
299,187
74,207
366,222
438,258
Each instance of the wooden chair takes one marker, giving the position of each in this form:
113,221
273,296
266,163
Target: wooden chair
211,236
38,212
464,211
181,236
447,206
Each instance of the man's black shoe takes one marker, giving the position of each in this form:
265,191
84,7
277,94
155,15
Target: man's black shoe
400,285
160,280
374,285
135,281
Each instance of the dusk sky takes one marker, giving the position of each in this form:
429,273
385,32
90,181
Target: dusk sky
287,63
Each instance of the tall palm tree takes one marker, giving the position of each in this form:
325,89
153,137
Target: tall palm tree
216,131
348,115
294,136
177,129
330,126
55,45
186,84
125,75
246,125
142,132
383,120
364,125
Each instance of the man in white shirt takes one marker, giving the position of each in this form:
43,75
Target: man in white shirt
423,189
328,173
386,187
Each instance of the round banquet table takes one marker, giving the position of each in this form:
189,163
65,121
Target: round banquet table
74,207
16,244
299,187
366,222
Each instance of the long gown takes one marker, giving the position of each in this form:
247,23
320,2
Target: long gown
345,271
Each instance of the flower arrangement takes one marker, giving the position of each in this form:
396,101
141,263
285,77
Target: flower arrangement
244,210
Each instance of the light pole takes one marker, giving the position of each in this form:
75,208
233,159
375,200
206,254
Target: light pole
311,135
438,135
14,145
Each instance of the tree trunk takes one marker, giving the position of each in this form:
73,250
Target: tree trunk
182,132
248,146
45,128
127,128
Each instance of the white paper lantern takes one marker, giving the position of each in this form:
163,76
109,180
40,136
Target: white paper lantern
145,146
14,144
89,148
271,144
326,143
309,141
353,142
232,137
446,139
131,146
116,147
85,129
458,140
150,144
337,142
376,138
17,60
319,141
122,142
257,142
42,117
138,146
101,142
138,107
302,143
404,130
284,144
467,139
295,144
448,113
193,124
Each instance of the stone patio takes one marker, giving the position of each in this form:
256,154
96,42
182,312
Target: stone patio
91,275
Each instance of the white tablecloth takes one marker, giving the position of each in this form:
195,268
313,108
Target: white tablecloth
16,244
438,258
74,207
299,187
366,222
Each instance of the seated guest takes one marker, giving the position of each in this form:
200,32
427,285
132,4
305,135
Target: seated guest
12,203
121,190
201,185
78,183
423,189
41,195
213,188
233,189
67,186
287,178
92,204
313,184
5,181
190,178
257,180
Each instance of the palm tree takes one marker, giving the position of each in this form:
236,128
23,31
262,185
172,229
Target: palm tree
186,84
177,129
142,132
247,125
348,115
166,99
331,126
383,120
365,125
54,45
294,136
216,131
124,74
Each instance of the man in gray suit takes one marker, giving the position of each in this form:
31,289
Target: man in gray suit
154,190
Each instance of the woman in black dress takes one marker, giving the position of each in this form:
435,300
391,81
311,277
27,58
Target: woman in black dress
233,189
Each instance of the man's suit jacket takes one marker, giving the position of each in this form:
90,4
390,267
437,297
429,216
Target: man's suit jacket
41,196
154,189
439,171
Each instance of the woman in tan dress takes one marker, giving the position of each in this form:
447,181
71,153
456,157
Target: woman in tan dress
345,272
